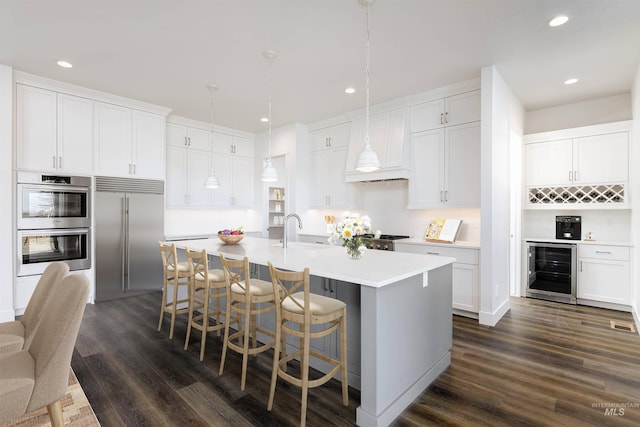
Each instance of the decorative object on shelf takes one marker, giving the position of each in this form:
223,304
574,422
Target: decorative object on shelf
269,173
350,233
442,230
231,236
212,181
368,159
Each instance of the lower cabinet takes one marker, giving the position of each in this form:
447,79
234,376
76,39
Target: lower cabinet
465,276
604,274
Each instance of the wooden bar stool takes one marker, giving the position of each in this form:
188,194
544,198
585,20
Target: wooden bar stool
206,285
176,274
244,295
305,309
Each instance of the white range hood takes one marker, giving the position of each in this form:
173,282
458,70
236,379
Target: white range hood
389,138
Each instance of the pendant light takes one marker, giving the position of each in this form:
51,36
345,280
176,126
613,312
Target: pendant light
212,181
368,159
269,173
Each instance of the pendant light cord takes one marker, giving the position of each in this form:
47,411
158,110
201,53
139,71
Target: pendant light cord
211,90
269,112
366,82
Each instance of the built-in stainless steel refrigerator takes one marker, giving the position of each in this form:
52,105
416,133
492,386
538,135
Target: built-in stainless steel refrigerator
129,221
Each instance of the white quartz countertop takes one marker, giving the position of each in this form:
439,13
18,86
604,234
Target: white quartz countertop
582,242
422,242
375,268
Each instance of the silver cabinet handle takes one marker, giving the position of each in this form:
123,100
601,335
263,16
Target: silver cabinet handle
54,161
603,252
580,266
441,118
134,168
329,141
60,162
446,196
433,253
575,175
441,200
189,139
446,117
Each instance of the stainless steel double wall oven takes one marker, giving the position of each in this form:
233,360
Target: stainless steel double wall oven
53,221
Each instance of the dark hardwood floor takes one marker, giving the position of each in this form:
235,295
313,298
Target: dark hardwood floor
543,364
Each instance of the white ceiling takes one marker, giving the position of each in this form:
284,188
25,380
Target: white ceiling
165,52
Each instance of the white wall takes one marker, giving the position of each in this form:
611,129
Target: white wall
596,111
502,113
635,196
610,225
6,194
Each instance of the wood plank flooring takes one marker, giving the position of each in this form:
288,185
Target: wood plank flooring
543,364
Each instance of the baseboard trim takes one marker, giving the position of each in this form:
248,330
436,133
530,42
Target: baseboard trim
492,319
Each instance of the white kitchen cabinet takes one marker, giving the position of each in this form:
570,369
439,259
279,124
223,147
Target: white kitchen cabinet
235,174
387,135
232,145
188,166
604,274
331,137
445,168
328,188
449,111
465,276
54,131
129,143
597,159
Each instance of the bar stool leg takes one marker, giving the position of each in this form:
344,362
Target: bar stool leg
343,359
163,304
174,306
305,374
245,344
205,323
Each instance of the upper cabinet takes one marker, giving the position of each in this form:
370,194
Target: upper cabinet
188,166
129,143
328,162
54,131
388,137
584,166
445,153
449,111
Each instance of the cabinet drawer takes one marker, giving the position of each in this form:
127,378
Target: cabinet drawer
462,255
620,253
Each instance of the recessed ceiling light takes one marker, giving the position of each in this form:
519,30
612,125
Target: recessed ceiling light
264,119
350,91
558,20
64,64
570,81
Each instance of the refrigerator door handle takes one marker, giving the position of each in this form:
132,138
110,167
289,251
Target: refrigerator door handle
125,283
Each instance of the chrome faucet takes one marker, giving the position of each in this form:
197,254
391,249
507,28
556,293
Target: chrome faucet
284,233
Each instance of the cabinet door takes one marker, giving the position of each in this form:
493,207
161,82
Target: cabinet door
427,176
242,180
549,163
113,140
221,197
75,134
463,108
222,144
176,135
198,139
338,189
350,294
465,287
604,280
462,166
242,146
148,145
198,167
176,183
601,159
320,139
427,116
320,164
395,136
36,128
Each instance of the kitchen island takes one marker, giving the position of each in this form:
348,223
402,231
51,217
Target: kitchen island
405,313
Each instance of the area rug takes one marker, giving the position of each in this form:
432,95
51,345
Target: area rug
75,406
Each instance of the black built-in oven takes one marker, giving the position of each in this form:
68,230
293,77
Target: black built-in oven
551,271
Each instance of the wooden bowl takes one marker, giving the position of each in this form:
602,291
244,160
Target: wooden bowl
230,239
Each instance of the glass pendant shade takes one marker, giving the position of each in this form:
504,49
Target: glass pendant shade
269,173
212,181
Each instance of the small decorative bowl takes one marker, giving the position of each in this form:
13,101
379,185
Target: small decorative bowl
230,239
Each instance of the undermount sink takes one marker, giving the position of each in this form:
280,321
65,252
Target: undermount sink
303,245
